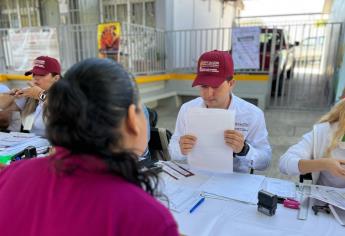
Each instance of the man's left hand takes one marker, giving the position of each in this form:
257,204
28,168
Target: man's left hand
234,139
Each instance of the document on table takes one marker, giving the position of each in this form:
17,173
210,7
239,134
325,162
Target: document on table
210,151
333,196
12,143
281,188
236,186
179,198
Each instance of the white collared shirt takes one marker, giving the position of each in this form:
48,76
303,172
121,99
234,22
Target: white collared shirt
249,120
38,127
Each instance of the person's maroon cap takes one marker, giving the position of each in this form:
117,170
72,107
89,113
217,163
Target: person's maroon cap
214,68
44,65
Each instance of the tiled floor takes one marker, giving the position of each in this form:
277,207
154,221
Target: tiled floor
285,128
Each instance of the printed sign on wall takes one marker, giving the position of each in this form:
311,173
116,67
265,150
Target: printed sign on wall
26,44
246,47
109,40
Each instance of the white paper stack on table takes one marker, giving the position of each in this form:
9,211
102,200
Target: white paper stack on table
14,142
210,151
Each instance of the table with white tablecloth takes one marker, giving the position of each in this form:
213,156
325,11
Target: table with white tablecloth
231,217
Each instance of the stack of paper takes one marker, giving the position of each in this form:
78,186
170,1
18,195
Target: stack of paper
14,142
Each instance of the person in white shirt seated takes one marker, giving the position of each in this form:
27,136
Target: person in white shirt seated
249,140
29,101
321,151
9,119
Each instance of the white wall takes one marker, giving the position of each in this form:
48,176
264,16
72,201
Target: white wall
196,14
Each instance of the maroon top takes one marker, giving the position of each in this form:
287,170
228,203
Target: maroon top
35,200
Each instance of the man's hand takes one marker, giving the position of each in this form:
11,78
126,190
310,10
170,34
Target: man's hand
187,143
234,139
335,167
32,91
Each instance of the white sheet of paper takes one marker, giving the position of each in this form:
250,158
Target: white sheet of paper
210,151
180,198
282,188
236,186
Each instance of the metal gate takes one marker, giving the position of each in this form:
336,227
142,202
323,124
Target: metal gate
302,60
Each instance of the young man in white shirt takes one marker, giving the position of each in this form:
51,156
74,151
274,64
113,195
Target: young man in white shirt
30,100
249,140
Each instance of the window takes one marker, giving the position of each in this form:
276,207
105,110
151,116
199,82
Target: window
142,12
150,18
20,13
121,12
137,13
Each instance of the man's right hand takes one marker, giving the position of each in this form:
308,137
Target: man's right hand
187,143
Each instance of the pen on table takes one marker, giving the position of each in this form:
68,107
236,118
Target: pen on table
197,204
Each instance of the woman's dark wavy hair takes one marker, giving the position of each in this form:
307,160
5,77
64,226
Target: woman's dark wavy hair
84,113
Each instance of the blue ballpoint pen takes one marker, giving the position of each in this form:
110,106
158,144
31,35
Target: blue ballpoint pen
197,204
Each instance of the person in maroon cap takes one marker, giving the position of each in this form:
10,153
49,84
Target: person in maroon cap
45,72
249,140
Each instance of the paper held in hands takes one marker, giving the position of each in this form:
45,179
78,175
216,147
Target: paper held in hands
210,151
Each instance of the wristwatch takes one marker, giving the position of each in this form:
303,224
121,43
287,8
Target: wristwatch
43,96
244,150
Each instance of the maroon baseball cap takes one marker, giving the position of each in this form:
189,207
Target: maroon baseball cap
44,65
214,68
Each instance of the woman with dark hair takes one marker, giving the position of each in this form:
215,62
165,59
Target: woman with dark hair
92,184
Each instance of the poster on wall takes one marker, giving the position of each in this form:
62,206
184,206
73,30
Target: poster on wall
26,44
246,47
109,40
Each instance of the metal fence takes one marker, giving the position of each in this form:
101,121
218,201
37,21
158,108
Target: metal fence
306,65
184,47
300,58
142,49
306,54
